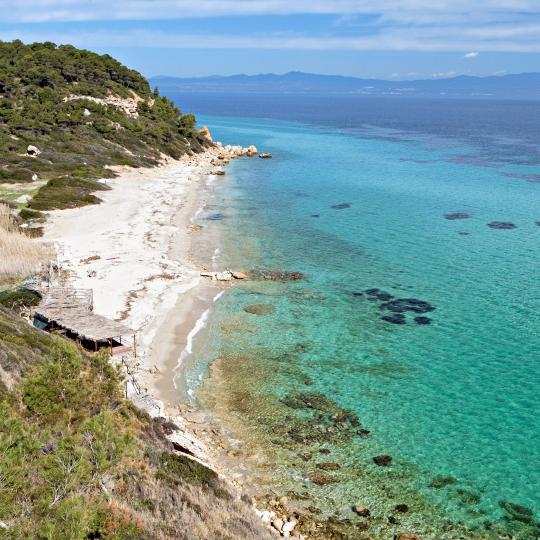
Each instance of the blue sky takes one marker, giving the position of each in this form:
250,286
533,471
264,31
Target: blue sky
390,39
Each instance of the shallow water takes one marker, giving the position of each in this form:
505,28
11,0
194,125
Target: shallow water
457,398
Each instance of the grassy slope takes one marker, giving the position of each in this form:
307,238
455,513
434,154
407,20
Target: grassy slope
78,461
78,138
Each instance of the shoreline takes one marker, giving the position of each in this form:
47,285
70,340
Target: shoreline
134,251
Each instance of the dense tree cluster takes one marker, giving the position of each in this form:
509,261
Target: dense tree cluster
79,137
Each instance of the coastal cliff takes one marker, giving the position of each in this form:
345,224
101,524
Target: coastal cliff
78,459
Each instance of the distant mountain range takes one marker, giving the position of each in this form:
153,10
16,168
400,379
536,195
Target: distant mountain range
519,86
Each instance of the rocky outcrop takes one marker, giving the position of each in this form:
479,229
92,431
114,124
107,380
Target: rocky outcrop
128,105
205,132
32,150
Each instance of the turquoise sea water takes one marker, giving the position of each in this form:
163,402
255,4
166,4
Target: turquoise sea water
457,398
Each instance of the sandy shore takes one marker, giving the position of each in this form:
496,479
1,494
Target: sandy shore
133,251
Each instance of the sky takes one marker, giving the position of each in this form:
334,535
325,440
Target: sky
386,39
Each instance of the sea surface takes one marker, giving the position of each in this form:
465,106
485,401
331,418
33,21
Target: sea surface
394,195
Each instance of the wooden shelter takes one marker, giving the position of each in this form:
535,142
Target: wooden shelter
70,312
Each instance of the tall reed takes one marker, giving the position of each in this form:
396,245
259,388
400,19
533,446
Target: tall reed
20,255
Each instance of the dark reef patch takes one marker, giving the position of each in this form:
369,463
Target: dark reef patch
457,215
315,215
440,482
401,305
341,206
422,320
394,319
501,225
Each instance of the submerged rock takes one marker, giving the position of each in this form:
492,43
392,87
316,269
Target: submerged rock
501,225
403,508
260,309
361,510
328,466
275,275
364,432
457,215
422,320
341,206
378,294
401,305
321,478
442,481
394,319
383,460
517,512
315,215
216,217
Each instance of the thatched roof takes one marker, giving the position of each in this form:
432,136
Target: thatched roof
72,309
84,323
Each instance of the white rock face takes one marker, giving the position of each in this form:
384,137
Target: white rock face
33,150
288,527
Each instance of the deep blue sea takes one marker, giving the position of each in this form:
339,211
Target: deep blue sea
384,205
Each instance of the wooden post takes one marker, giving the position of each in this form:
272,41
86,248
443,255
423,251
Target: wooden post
110,343
134,346
95,345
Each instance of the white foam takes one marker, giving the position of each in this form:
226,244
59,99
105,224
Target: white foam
199,325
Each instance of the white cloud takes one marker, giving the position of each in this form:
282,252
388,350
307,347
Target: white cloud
416,25
443,75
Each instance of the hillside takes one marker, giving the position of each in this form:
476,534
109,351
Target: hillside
516,86
83,113
78,461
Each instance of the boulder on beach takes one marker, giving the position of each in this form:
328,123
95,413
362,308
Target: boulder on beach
260,309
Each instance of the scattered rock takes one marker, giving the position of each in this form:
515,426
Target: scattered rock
265,155
361,511
260,309
422,320
218,172
392,520
457,215
325,450
32,150
383,460
328,466
288,527
407,536
364,432
239,275
501,225
341,206
219,276
321,478
403,508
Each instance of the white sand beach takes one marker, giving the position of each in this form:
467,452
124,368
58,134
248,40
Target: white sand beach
132,250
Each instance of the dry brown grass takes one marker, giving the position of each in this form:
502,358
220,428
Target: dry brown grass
20,255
